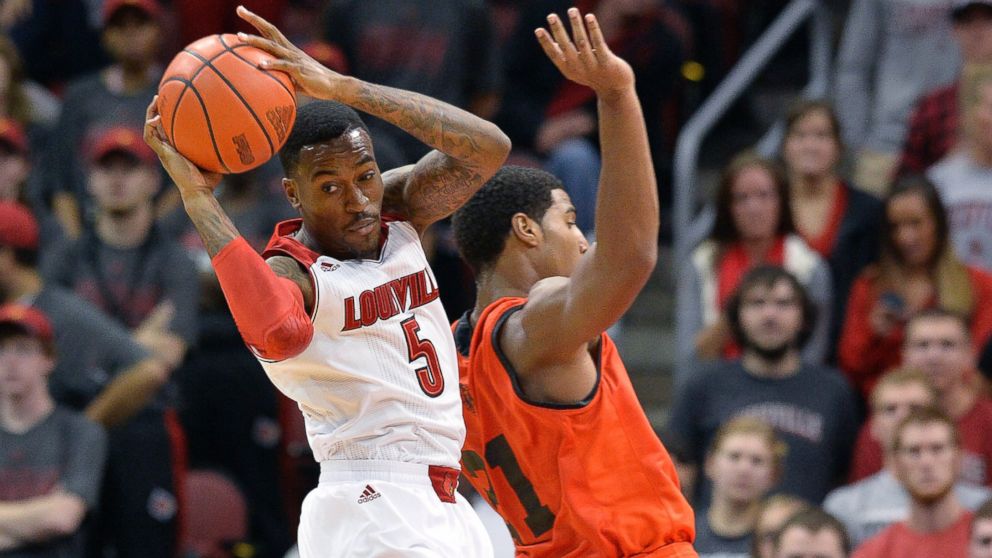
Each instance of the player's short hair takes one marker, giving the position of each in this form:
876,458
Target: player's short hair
815,520
753,426
901,376
483,223
317,122
768,276
927,415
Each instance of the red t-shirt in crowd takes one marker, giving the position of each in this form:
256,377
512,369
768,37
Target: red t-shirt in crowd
976,444
899,540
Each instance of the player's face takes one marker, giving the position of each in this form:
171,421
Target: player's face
755,204
913,229
742,468
771,317
927,460
24,366
891,404
120,183
563,241
980,545
338,191
811,149
940,348
974,35
799,542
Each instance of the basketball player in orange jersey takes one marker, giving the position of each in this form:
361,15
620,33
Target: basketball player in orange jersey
556,439
345,318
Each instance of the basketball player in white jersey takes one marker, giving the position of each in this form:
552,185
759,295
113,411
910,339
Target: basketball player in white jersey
345,318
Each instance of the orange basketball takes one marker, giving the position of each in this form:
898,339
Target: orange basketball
220,110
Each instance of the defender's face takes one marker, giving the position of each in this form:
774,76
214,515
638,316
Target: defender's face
338,191
564,244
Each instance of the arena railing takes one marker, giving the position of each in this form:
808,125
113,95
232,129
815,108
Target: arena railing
692,218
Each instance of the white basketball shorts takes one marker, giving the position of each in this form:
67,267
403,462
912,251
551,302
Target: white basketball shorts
378,509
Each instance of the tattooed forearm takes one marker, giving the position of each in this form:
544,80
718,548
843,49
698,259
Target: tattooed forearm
210,220
444,127
287,267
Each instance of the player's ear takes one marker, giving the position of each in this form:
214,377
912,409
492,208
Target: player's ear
525,229
292,194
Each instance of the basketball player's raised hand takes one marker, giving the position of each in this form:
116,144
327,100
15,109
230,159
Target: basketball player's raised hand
309,76
188,177
584,57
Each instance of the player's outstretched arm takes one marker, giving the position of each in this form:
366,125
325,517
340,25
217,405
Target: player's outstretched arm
468,149
612,273
269,302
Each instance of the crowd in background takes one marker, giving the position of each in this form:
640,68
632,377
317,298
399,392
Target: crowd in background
838,330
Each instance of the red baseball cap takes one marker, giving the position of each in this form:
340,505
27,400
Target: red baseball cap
110,8
18,227
31,320
12,134
123,139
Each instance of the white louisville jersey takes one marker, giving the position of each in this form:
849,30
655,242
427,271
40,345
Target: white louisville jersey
379,379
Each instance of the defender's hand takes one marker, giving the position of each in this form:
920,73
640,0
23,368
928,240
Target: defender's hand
584,58
308,75
188,177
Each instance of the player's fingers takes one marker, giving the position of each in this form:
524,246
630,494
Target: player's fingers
550,47
291,68
267,30
268,45
582,46
599,47
561,36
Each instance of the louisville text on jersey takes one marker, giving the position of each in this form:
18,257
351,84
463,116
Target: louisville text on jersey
389,299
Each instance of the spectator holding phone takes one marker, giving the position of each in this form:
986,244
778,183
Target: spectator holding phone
918,269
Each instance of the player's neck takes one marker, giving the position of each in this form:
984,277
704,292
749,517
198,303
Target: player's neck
508,277
732,519
20,414
125,229
935,516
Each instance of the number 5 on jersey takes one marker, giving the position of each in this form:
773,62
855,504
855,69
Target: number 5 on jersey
429,377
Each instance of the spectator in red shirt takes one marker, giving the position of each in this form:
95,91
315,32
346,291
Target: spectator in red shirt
980,545
918,269
840,222
926,455
937,343
933,128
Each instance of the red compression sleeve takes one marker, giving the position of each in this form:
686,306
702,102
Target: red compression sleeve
268,309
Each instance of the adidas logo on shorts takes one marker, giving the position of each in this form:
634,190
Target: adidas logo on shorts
368,495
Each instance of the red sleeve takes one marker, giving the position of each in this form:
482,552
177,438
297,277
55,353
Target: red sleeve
914,152
867,455
862,354
267,309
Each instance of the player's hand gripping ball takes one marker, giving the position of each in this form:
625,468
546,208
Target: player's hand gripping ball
221,110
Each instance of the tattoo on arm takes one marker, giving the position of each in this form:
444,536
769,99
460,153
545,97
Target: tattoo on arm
213,224
287,267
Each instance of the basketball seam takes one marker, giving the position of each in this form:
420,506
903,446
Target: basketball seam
206,116
272,148
232,49
183,92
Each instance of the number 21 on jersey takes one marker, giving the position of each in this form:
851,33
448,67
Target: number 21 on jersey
499,455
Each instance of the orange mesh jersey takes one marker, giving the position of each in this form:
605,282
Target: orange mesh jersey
589,479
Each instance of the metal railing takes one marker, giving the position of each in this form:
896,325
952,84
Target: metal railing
689,227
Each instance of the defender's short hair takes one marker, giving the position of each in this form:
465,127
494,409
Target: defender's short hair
317,122
483,223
